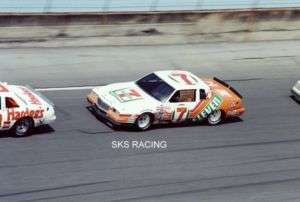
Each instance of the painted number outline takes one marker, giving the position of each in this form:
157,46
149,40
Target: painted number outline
181,111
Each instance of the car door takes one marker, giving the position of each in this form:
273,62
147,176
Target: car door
181,103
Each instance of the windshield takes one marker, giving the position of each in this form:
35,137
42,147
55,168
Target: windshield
156,87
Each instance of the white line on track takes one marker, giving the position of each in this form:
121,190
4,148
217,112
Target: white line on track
66,88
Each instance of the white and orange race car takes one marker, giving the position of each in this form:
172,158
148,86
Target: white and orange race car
164,97
22,108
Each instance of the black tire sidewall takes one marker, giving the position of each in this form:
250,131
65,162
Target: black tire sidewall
28,130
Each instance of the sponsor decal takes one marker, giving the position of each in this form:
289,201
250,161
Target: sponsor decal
32,98
213,105
232,105
16,114
164,113
182,77
126,94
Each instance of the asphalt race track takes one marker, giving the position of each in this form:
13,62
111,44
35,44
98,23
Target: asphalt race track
255,158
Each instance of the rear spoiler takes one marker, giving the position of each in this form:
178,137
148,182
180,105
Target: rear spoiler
228,86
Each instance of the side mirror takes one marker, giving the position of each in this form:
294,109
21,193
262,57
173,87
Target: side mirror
202,94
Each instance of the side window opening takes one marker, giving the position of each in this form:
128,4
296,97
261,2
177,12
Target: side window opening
184,96
10,103
203,94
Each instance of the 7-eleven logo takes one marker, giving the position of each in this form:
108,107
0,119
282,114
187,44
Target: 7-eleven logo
126,94
213,105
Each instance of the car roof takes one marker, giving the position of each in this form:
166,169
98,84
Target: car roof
181,80
6,89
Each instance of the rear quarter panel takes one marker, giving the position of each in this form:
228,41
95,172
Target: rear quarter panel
230,101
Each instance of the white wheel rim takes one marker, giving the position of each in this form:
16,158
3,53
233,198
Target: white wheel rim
143,121
215,116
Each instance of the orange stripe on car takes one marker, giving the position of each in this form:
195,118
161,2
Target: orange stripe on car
121,118
194,112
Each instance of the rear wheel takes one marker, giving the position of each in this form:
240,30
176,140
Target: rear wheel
144,121
215,117
23,127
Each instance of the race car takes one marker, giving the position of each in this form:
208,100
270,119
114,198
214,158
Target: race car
171,96
22,108
296,91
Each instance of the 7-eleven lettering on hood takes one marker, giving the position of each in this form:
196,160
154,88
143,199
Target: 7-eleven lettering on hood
126,94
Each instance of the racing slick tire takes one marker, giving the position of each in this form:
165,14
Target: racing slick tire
22,127
144,121
215,117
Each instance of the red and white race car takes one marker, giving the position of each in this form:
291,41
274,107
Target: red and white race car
164,97
22,108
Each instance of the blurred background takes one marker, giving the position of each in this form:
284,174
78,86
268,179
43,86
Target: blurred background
135,22
137,5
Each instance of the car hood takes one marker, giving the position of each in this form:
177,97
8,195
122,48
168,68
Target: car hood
126,97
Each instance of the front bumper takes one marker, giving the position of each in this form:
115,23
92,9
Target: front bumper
109,115
102,114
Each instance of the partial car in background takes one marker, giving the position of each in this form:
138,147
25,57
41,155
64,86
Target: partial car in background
22,108
296,91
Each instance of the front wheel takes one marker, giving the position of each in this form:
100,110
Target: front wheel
215,117
23,127
144,121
